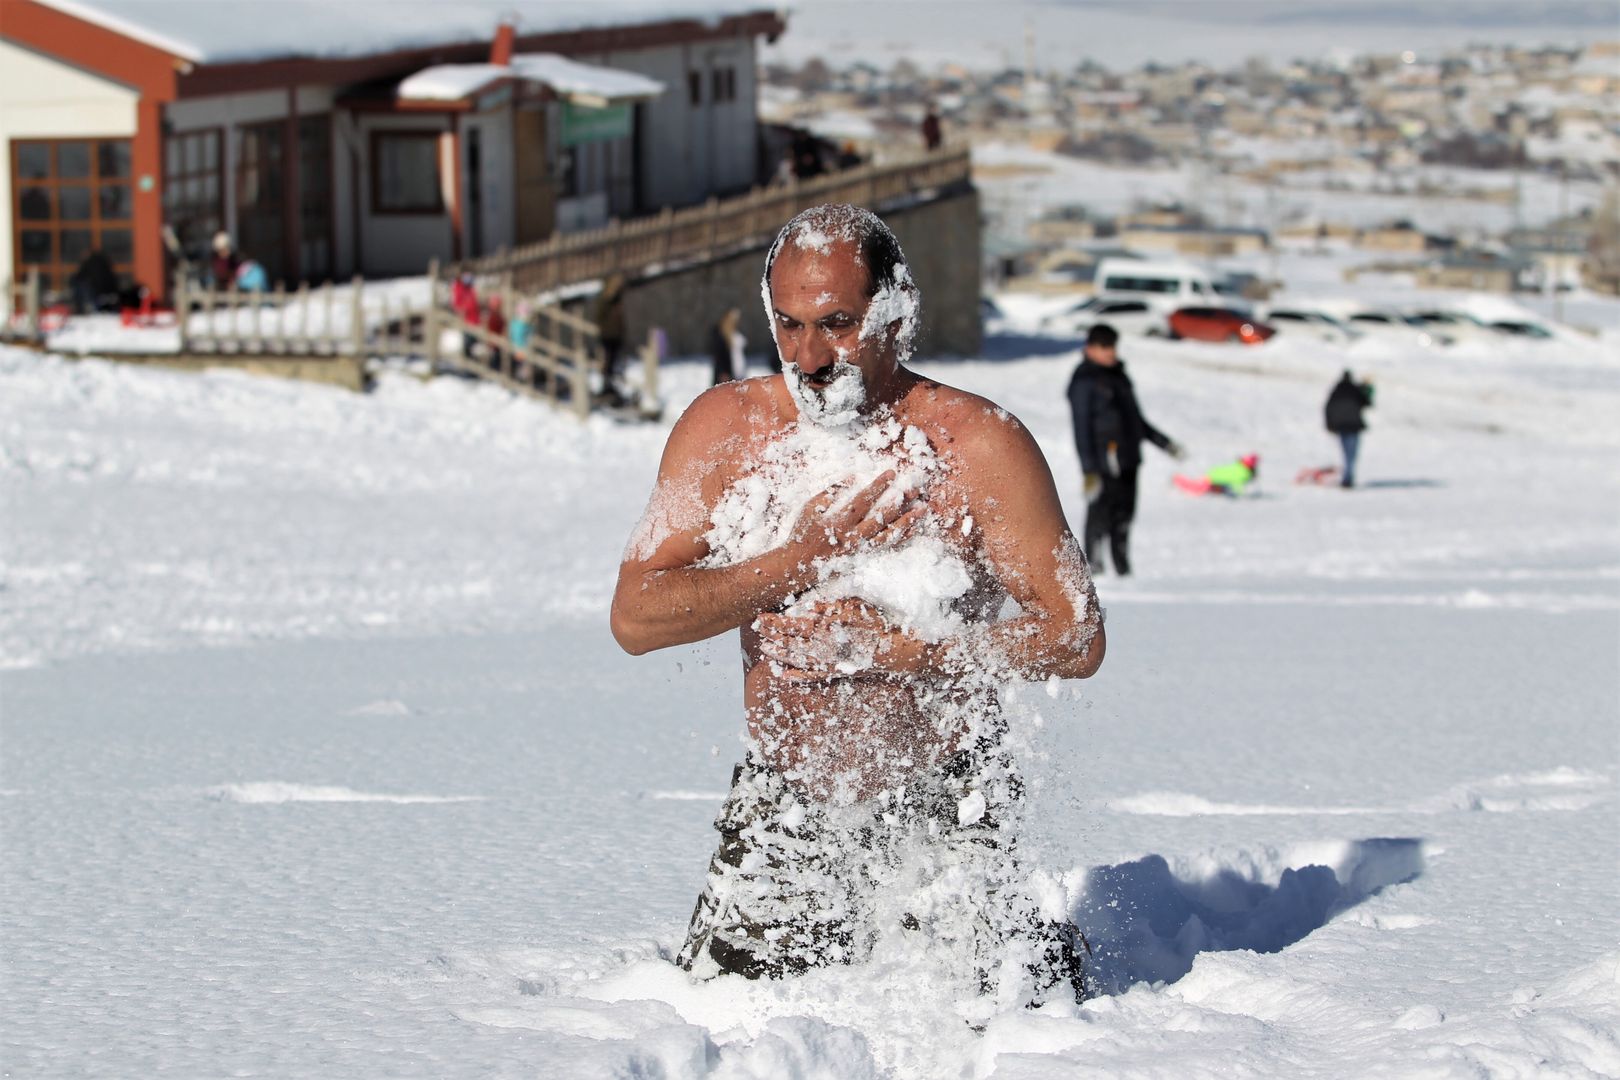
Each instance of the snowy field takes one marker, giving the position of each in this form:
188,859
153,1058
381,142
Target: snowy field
318,758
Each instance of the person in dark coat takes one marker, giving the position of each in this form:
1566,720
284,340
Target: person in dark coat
1345,404
931,131
225,261
94,284
610,325
1108,431
726,344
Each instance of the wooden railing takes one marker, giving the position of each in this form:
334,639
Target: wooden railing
22,306
304,322
719,226
559,358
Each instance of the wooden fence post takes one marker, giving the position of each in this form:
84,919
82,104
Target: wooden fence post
650,403
329,337
280,344
307,343
31,306
182,308
357,320
581,371
430,318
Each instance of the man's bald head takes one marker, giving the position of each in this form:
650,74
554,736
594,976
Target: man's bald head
832,226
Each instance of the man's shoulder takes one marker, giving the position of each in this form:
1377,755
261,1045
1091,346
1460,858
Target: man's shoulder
969,422
733,408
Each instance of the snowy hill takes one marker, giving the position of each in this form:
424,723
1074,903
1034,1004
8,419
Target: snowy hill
319,758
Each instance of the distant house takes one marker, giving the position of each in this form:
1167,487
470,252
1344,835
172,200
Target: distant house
1193,239
1481,271
1401,237
339,138
1063,225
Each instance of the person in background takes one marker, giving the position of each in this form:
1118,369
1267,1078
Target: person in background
495,323
1345,404
1108,431
225,261
518,333
848,156
786,170
1233,478
610,325
250,276
932,134
464,302
807,164
94,284
726,344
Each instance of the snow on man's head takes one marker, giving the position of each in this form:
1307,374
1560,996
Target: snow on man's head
893,295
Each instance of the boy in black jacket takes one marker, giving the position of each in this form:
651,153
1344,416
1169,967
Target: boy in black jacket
1108,431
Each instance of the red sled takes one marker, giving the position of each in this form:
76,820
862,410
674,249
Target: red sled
1193,485
1325,474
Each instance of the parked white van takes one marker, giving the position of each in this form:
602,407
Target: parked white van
1172,281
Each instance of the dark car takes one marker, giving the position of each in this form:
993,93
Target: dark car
1522,329
1218,324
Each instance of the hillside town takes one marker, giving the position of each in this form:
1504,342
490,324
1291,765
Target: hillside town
1532,136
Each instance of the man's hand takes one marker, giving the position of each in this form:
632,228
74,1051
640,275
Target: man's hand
840,639
1176,450
825,530
1093,485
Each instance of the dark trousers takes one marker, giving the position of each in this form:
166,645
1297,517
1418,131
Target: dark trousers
1109,515
1350,442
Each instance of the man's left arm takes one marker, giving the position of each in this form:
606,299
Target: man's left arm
1031,551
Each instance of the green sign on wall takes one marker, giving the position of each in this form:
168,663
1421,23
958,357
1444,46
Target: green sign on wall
585,125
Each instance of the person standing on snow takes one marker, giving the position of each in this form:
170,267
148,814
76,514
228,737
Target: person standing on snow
865,735
1108,431
1342,413
726,345
609,319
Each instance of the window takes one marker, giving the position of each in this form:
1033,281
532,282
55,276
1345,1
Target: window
315,196
1142,284
405,173
71,197
193,198
694,87
723,81
1122,309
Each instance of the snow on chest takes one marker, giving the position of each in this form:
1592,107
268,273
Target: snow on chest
916,583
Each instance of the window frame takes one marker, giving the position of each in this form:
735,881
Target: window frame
56,270
435,135
171,179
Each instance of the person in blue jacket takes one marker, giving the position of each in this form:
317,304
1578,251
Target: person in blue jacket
1108,431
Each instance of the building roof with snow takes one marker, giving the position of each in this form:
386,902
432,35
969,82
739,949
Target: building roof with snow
219,33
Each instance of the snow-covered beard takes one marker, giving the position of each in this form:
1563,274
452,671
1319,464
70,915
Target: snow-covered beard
832,406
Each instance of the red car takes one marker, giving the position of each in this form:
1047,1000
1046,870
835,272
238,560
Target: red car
1218,324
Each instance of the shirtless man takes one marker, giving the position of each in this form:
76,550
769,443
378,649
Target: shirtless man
865,719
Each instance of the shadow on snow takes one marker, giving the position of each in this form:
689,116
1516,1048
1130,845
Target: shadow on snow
1145,924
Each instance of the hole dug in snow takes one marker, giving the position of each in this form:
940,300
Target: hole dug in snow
1148,919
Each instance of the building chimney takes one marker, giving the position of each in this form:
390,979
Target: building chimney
500,53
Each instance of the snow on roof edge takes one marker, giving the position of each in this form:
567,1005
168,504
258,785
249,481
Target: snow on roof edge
221,33
451,82
128,29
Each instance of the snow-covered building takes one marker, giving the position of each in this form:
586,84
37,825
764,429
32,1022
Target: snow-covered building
334,139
